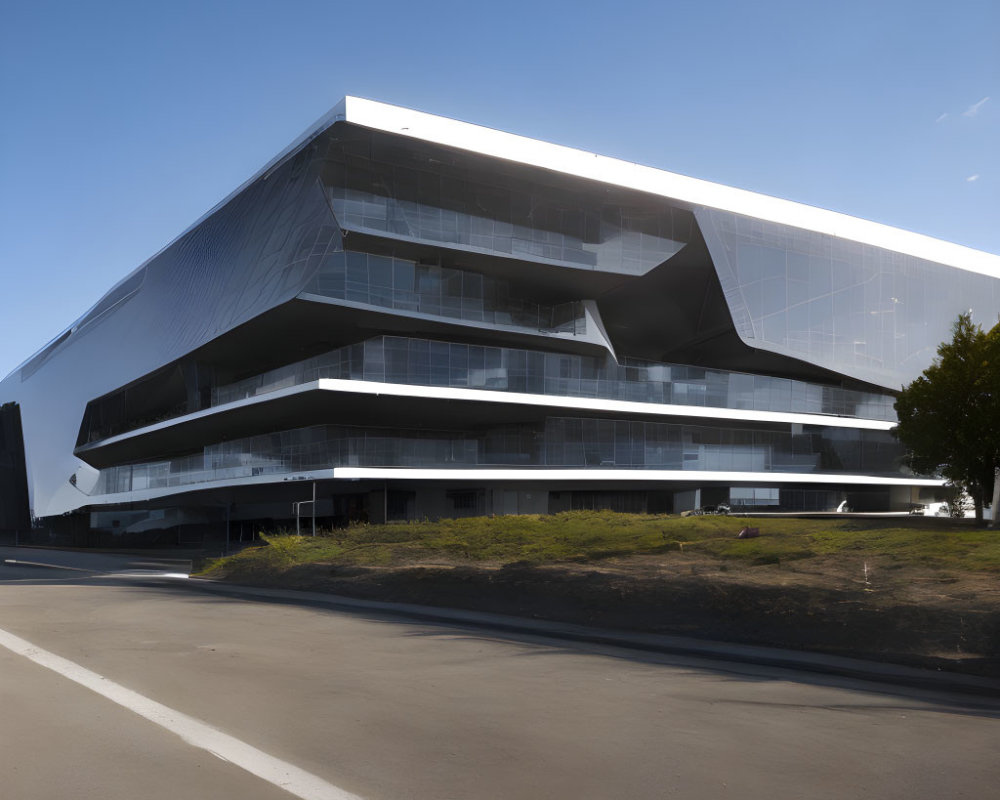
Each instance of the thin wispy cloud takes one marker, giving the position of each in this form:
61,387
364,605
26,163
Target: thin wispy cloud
972,178
942,118
972,110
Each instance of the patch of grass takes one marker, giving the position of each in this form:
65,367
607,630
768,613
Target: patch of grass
581,536
960,548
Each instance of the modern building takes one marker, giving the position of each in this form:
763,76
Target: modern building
419,317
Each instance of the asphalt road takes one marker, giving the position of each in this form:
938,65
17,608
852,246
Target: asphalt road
384,707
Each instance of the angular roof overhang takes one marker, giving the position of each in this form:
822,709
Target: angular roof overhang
578,163
497,144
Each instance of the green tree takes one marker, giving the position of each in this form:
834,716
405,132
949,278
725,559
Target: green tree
949,417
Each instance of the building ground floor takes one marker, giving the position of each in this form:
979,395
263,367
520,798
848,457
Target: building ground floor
240,513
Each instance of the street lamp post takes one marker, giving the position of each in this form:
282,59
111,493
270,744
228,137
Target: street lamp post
297,508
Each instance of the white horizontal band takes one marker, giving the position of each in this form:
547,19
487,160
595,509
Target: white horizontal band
475,474
583,474
599,404
377,388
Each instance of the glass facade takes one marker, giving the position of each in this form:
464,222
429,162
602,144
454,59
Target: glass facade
746,497
510,255
402,285
396,195
557,442
392,359
862,311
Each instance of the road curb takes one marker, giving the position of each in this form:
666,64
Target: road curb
803,661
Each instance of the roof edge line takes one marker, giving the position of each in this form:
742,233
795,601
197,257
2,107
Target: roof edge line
402,121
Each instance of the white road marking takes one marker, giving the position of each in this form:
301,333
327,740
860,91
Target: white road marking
15,563
196,733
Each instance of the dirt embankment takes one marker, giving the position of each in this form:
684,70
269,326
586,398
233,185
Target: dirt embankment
870,609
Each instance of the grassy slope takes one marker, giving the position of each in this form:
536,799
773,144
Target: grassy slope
591,536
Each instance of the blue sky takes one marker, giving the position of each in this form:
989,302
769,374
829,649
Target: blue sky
123,122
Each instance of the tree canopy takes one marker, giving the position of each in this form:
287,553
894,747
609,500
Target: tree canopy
949,417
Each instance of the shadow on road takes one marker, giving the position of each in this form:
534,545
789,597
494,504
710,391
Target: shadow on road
163,575
536,644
